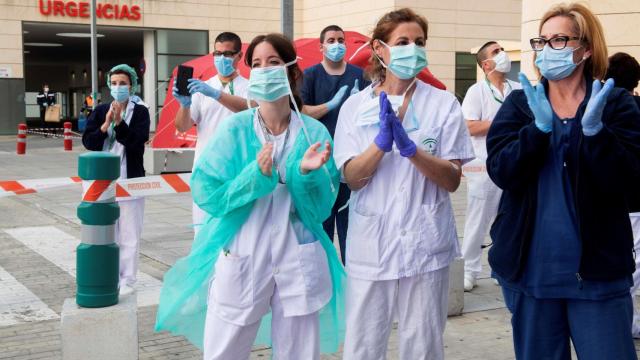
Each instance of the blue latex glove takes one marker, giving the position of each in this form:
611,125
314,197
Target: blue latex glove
592,118
384,139
199,86
185,101
538,103
405,145
356,87
337,98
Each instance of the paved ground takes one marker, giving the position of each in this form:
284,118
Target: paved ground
39,232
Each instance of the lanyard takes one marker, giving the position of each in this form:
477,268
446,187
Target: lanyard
230,83
493,93
267,136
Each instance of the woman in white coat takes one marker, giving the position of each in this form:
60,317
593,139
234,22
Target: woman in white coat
267,182
400,144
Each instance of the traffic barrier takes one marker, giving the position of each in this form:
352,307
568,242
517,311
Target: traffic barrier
136,187
21,145
68,140
97,260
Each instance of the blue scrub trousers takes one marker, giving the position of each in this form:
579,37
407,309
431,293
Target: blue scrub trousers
599,329
339,219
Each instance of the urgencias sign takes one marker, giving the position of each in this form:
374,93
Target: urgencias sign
82,9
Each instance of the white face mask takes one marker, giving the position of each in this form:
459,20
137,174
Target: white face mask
369,110
503,63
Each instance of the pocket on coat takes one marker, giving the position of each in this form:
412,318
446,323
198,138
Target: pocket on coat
233,283
363,238
315,267
438,227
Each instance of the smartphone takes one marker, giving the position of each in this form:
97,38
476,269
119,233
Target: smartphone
182,79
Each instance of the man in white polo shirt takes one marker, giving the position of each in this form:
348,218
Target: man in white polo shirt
480,105
213,100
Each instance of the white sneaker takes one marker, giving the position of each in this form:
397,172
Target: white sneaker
126,290
469,282
495,282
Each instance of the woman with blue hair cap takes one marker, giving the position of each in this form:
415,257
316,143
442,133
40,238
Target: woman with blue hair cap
267,182
122,128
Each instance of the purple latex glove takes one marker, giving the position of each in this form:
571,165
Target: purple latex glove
405,145
384,139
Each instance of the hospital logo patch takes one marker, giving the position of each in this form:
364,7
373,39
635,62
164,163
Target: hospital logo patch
430,145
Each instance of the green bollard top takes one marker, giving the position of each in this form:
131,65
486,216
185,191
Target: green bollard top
99,165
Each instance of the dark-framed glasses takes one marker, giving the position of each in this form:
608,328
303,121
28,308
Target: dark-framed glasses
227,53
556,42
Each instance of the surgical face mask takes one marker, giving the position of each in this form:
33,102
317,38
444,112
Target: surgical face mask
224,65
556,64
503,64
269,83
335,52
406,61
120,92
369,110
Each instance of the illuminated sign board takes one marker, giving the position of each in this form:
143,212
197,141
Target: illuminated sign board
81,9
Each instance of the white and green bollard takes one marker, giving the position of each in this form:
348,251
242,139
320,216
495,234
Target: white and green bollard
97,270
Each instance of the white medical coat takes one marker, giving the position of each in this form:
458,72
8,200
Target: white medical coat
401,224
481,103
270,250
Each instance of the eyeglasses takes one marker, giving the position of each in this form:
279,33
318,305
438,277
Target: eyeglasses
227,53
556,43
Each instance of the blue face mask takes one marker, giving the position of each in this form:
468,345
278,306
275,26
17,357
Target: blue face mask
556,64
406,61
120,93
269,83
335,52
224,65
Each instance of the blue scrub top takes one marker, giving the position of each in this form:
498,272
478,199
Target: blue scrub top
318,87
552,268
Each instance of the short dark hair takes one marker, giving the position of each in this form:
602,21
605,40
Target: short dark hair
329,28
480,55
229,36
624,70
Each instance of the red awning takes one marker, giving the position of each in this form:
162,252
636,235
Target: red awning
308,49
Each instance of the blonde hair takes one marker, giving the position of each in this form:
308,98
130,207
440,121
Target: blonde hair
385,26
589,30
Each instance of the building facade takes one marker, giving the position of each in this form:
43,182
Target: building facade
45,40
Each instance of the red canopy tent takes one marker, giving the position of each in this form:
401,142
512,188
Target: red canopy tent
308,49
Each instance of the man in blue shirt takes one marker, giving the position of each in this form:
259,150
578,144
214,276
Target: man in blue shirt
325,88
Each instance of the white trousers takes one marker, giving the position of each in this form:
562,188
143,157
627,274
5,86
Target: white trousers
295,337
480,215
420,303
128,232
197,216
635,225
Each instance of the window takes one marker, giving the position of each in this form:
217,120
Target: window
466,72
175,47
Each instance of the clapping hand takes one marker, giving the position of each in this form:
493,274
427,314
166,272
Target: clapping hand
314,159
538,103
592,118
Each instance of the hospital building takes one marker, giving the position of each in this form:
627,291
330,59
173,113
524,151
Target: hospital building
46,41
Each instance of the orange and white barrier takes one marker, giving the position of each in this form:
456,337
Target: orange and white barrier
21,145
153,185
104,190
20,187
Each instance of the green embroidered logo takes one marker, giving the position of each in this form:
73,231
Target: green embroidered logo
430,145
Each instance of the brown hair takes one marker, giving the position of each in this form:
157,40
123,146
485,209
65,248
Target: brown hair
588,28
385,26
285,49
